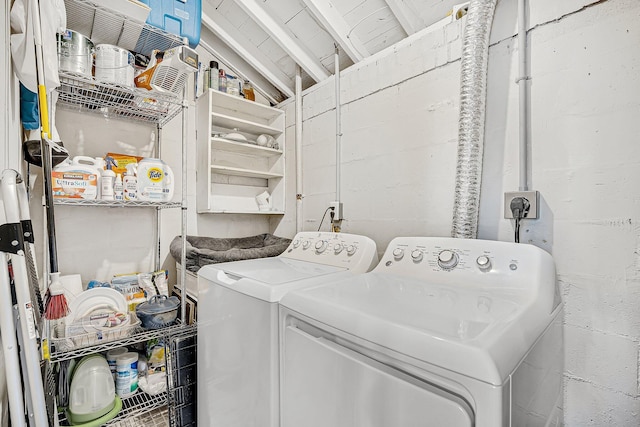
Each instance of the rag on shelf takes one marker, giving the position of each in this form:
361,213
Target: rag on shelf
202,250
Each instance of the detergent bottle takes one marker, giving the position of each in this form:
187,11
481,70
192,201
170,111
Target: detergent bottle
155,181
131,182
108,179
76,179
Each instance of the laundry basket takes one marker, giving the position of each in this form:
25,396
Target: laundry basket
202,251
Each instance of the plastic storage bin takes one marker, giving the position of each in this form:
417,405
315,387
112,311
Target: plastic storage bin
181,17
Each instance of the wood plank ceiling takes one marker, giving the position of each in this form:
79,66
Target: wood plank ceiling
266,40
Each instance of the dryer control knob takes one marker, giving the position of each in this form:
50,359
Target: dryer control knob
321,245
306,244
416,255
351,249
483,262
398,253
296,243
447,259
338,248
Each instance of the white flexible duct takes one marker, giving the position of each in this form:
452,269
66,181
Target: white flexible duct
473,82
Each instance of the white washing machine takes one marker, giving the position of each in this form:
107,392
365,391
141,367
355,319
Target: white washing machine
443,332
238,349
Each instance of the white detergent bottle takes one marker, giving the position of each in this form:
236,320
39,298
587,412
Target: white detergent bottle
118,189
131,182
77,179
108,179
155,181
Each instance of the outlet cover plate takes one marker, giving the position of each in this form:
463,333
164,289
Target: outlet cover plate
531,196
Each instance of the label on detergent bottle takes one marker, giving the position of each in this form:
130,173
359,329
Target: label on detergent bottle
156,189
74,185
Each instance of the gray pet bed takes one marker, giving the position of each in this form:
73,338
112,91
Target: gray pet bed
211,250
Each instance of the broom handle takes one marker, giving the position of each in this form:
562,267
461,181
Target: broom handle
45,151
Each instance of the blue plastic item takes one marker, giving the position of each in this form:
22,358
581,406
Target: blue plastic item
180,17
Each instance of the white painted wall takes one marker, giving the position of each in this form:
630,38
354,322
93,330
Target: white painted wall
399,124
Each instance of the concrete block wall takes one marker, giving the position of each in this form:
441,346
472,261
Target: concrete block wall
399,125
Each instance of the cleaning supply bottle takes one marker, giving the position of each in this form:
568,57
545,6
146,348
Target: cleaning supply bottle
131,182
248,91
108,178
100,167
118,189
76,179
155,181
213,75
222,81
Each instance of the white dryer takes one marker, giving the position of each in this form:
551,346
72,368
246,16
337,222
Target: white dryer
443,332
238,349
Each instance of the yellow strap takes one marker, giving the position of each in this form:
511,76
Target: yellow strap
44,111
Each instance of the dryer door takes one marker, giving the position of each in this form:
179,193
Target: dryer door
325,384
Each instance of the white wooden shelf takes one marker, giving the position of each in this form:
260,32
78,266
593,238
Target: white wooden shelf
230,122
231,173
243,148
250,173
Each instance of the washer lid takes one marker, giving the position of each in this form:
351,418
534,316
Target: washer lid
472,332
265,278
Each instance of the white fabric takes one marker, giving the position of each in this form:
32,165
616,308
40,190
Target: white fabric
53,19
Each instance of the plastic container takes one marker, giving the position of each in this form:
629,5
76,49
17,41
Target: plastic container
76,179
247,89
114,65
131,182
127,374
179,17
155,181
222,81
75,53
118,189
112,356
213,75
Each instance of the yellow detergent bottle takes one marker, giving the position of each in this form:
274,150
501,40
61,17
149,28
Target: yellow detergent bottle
155,181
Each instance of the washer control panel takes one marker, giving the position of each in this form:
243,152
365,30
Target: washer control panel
351,251
466,261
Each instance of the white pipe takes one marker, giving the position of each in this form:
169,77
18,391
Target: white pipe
299,194
523,99
336,76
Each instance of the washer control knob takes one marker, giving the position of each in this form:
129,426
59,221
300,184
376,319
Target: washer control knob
338,248
447,259
416,255
321,245
483,262
296,243
306,244
351,249
398,253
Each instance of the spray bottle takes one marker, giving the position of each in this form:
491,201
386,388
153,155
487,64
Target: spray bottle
118,189
108,178
131,182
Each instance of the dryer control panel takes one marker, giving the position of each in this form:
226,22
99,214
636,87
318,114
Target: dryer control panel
356,253
469,262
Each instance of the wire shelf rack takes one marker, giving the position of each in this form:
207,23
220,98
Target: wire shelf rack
114,204
85,94
140,336
105,25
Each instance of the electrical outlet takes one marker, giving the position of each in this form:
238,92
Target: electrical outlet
337,210
531,196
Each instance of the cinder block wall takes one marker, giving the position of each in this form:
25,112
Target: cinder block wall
399,125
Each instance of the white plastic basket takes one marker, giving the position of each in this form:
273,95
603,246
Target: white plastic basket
63,343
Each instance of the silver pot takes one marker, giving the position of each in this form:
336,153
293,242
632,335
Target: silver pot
75,53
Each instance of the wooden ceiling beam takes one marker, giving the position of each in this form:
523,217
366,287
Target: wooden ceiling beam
283,37
328,16
246,50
